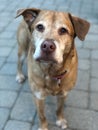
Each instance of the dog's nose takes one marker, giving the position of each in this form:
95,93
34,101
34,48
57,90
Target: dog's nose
48,46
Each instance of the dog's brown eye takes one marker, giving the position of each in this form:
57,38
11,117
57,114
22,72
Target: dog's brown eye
63,31
40,27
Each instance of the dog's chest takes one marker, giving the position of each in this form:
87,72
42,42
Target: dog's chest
53,86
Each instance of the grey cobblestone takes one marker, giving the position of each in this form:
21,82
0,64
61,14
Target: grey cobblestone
77,99
83,80
78,43
17,125
13,56
84,53
2,60
24,109
8,69
26,87
7,98
91,45
94,71
4,113
79,118
7,34
94,101
95,120
94,54
93,39
9,83
7,43
4,51
93,29
84,64
94,84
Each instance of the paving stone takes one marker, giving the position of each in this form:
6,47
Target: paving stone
92,20
7,43
62,8
17,125
77,99
8,69
92,37
51,100
7,98
4,51
87,8
94,54
26,87
2,7
95,121
9,83
5,20
78,43
6,34
83,53
3,24
4,113
2,60
7,15
93,29
82,80
75,10
94,101
1,64
94,84
13,57
94,70
49,7
36,4
91,44
50,112
13,26
79,118
24,109
84,64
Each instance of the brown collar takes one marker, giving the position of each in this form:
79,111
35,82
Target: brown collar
61,76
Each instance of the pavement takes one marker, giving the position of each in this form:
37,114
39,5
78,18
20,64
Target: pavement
17,110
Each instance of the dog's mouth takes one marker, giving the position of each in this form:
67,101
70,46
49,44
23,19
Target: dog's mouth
46,59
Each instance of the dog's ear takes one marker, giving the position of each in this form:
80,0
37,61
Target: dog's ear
81,26
29,14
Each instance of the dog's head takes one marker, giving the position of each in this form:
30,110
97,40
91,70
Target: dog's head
53,32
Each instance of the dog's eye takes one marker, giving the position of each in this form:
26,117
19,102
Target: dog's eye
40,28
62,31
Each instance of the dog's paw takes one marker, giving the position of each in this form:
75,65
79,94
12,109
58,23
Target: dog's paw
42,129
20,78
62,123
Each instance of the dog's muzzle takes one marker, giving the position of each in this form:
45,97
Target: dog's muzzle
48,48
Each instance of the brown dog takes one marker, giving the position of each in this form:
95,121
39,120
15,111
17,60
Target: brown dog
48,39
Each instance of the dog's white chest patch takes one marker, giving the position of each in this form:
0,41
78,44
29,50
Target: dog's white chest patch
39,95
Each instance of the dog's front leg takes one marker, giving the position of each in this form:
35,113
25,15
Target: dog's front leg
40,110
61,122
20,76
